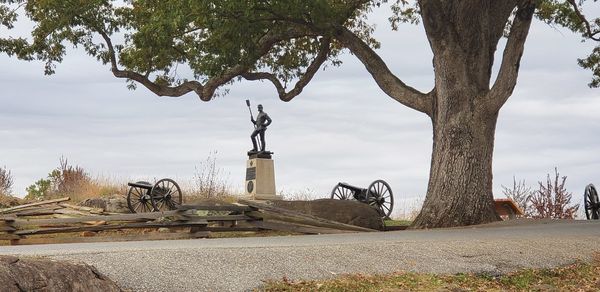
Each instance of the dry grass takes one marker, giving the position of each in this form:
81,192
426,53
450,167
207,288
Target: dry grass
306,194
580,276
10,201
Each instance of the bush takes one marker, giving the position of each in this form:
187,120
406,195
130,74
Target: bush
6,181
39,191
552,200
71,181
68,179
210,179
210,183
520,194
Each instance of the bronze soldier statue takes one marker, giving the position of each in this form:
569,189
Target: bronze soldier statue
260,126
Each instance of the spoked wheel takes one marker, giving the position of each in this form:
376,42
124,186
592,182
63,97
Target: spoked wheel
591,203
166,195
138,199
341,193
379,195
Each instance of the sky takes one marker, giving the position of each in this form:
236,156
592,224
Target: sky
341,128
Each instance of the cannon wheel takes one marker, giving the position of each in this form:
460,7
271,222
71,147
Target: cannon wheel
591,203
166,195
138,200
341,193
380,195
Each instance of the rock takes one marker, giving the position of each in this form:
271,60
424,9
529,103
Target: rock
28,274
344,211
114,203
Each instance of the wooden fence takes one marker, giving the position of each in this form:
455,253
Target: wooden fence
20,224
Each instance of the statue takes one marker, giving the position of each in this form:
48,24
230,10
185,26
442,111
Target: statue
260,126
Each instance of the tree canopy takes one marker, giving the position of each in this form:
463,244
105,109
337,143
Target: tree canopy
282,41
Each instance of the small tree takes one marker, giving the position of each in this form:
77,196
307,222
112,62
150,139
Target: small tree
552,200
39,190
6,181
520,194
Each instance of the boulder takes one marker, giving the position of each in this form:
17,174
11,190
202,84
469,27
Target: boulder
114,203
344,211
29,274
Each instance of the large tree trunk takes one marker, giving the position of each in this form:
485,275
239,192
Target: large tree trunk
460,181
463,36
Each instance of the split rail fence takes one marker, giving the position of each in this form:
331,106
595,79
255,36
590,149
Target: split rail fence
21,224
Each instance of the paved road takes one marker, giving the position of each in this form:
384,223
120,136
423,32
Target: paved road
242,263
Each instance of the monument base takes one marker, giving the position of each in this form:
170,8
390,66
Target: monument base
260,179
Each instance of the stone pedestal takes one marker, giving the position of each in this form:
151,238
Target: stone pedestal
260,179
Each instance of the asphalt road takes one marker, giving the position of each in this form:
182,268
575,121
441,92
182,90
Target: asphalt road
240,264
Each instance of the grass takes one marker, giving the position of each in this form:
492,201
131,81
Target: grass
397,222
580,276
7,201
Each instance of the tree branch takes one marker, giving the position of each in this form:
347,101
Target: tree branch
160,90
206,91
382,75
312,69
511,58
588,27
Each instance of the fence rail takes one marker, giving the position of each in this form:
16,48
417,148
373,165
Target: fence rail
18,223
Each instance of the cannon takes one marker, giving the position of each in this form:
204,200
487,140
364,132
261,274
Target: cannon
143,196
591,203
378,194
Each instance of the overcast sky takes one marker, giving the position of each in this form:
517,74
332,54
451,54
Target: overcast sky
341,128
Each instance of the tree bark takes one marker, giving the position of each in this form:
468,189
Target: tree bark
460,181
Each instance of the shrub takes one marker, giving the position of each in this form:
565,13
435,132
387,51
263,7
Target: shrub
68,179
6,181
520,194
552,200
71,181
39,191
210,182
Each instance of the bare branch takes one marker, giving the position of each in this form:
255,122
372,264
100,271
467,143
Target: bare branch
304,79
509,69
387,81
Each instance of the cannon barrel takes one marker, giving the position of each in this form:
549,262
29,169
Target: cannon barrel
351,187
